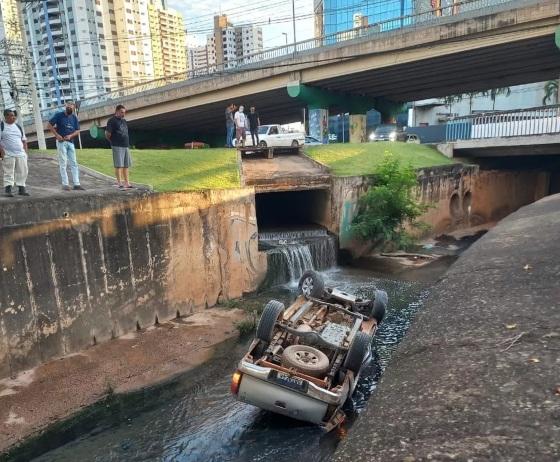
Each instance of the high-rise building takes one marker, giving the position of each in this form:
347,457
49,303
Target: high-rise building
197,58
228,43
168,42
68,50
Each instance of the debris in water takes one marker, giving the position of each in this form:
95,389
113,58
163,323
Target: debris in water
534,360
527,267
511,326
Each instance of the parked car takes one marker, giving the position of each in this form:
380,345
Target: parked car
389,132
311,141
276,136
306,360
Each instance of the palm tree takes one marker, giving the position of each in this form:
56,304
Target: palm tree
494,92
550,92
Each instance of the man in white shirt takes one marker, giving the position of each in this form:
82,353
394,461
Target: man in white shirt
240,122
13,152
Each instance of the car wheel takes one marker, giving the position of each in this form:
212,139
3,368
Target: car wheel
357,352
306,359
379,306
272,311
263,144
311,284
295,144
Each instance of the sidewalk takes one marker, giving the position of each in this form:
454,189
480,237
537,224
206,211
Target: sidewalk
478,375
44,181
60,389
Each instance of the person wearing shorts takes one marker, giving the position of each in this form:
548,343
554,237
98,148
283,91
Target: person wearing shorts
240,122
117,134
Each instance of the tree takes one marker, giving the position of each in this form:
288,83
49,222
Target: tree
495,92
550,92
388,206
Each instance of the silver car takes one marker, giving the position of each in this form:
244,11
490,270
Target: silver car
305,361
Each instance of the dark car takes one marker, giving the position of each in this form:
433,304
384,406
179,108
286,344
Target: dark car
389,132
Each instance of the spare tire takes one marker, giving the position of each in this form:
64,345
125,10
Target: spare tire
357,352
311,284
306,359
272,311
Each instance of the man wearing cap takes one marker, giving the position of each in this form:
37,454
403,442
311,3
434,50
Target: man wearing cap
65,127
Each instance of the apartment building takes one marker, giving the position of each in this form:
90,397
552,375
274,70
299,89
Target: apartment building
168,42
228,43
197,58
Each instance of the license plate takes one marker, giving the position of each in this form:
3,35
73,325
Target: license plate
287,380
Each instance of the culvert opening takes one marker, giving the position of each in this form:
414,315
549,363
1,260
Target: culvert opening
293,233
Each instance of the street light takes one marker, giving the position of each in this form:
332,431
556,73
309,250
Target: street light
285,34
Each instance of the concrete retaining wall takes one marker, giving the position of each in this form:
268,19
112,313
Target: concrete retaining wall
461,196
76,272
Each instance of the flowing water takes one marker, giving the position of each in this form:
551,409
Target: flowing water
291,253
198,420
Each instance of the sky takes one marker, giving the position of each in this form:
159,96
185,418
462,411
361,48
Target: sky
274,16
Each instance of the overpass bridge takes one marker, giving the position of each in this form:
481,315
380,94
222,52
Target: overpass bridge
492,43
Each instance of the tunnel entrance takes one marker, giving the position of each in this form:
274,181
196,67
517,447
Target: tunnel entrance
292,210
293,233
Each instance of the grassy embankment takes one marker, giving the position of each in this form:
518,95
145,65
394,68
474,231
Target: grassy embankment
171,169
363,159
186,170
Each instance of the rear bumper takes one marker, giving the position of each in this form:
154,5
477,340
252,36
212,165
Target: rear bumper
311,406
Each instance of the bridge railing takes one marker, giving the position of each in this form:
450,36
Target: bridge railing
501,124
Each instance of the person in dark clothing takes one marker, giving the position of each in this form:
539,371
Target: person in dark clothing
117,134
230,125
254,123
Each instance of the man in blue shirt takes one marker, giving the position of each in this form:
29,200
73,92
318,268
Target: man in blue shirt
65,127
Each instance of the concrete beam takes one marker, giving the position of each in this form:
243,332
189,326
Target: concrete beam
513,146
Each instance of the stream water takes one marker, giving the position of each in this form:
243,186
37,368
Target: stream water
201,421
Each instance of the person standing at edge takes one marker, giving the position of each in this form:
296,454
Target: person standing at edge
230,125
254,123
240,126
117,134
13,152
65,127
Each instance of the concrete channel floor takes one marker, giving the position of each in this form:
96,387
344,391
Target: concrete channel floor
60,388
477,378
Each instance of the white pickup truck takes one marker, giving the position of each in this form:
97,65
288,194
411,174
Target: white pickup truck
275,136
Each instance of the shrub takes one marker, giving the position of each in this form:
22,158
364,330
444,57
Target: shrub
388,206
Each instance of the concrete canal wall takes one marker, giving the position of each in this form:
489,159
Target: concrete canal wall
460,196
78,271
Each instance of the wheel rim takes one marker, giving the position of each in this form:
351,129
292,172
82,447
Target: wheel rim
307,285
295,144
306,358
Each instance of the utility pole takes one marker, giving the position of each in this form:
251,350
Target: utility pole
38,121
294,23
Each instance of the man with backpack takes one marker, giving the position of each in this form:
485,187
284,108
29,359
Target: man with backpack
13,152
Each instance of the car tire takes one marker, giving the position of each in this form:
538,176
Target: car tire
311,284
263,144
306,359
295,144
379,306
357,352
272,311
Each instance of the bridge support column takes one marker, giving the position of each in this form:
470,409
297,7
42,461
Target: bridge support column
358,128
319,124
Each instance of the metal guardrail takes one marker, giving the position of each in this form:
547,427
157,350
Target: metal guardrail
499,124
260,59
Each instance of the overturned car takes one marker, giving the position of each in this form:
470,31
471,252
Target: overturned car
305,361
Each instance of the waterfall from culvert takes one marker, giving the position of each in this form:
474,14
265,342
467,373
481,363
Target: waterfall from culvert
291,253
